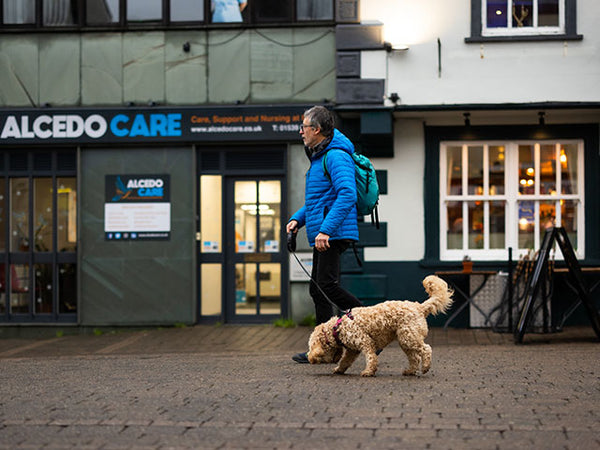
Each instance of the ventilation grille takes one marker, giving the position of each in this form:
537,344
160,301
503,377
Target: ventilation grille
66,161
18,162
209,160
42,161
254,161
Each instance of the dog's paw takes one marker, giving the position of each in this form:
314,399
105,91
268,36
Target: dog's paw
367,373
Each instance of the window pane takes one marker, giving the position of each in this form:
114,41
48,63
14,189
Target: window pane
455,225
548,13
522,13
497,169
526,224
2,215
568,168
42,274
475,170
67,288
99,12
497,14
67,214
547,217
314,9
497,225
568,211
19,11
210,290
272,10
475,224
245,216
42,214
3,284
19,288
454,164
245,288
227,10
548,169
210,213
60,12
526,169
270,288
19,218
144,10
187,10
269,210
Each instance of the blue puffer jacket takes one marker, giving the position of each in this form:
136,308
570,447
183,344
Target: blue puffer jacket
330,206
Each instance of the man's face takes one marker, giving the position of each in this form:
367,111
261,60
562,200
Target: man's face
311,135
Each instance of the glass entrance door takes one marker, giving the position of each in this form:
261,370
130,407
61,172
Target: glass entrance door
254,253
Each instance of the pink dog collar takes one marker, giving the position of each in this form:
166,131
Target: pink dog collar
337,325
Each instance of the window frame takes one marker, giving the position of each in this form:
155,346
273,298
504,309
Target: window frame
164,23
567,29
511,198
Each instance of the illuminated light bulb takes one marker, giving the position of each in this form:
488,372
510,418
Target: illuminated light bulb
530,171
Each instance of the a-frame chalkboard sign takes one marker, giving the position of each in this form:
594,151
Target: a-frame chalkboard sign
559,235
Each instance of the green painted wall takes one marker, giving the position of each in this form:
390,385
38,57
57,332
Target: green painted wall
142,282
94,69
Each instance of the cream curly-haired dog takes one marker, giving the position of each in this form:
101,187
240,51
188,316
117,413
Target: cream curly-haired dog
368,329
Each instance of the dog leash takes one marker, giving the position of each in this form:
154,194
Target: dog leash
291,245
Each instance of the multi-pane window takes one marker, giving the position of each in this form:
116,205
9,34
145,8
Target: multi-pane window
522,20
38,236
523,17
500,195
159,13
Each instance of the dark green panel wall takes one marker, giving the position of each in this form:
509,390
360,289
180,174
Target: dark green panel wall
139,282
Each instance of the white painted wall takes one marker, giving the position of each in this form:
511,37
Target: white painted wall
509,72
402,208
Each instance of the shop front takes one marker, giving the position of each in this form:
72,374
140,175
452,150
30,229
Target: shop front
140,216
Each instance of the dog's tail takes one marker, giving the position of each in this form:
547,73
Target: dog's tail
440,296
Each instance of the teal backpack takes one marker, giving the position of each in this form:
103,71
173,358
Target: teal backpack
367,188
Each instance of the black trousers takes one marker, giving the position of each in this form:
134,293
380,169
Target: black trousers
326,272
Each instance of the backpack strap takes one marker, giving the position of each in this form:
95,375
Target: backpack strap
324,161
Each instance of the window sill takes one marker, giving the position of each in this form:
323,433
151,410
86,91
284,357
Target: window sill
532,38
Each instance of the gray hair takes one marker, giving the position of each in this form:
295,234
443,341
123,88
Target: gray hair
322,118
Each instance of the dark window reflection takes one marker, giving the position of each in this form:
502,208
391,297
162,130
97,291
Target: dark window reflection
101,12
272,10
187,10
144,10
16,12
314,10
60,12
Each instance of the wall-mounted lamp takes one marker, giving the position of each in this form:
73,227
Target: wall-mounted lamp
467,117
394,97
388,47
542,118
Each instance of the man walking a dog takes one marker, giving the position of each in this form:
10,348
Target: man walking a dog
329,211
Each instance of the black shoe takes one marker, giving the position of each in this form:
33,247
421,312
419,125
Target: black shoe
301,358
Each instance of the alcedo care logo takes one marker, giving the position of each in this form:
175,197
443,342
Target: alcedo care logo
137,188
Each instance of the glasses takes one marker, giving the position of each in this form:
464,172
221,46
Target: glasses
302,126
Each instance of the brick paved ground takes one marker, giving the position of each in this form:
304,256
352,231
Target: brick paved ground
236,387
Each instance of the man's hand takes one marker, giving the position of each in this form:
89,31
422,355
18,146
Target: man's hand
322,242
292,225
